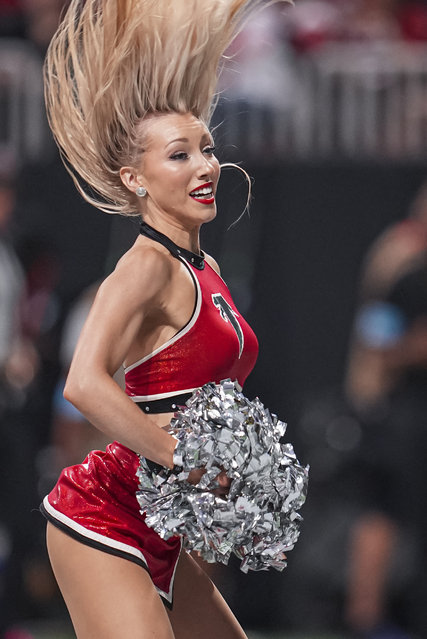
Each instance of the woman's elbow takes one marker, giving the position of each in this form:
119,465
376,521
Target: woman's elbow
75,389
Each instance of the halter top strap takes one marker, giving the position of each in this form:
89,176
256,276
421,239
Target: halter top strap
198,261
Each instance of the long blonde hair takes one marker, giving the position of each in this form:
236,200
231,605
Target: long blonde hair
113,62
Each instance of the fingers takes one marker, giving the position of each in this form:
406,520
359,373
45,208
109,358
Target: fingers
223,484
195,475
223,480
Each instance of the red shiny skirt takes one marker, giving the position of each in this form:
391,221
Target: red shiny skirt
95,502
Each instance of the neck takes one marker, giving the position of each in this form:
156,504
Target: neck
186,237
195,259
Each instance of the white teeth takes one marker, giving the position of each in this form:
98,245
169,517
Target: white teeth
207,190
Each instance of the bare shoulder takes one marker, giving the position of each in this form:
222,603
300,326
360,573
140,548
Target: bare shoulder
212,263
141,274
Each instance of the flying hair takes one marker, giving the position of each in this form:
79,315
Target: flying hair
112,63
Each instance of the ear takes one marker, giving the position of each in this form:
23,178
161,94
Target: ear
130,178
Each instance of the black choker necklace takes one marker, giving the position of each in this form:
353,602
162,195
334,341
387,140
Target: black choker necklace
198,261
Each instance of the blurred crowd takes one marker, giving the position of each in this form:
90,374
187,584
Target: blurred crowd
40,432
386,388
384,392
315,22
308,25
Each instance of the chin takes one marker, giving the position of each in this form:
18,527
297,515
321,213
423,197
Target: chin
192,216
211,213
209,217
201,217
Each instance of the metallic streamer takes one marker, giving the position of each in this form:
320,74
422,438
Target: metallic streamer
258,520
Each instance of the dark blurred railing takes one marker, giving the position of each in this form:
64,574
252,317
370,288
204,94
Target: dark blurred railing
348,100
367,101
23,128
353,100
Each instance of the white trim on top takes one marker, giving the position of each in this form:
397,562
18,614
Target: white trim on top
149,398
105,541
183,330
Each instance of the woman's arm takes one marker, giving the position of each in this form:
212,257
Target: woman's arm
138,285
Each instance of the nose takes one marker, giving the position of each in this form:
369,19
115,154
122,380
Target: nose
205,167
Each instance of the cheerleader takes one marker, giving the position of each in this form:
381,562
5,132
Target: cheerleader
130,89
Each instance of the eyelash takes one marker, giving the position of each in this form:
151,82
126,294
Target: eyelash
209,150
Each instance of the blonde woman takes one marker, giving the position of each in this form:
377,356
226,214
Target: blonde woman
129,90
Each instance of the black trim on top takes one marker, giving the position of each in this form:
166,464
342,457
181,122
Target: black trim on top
164,405
87,541
198,261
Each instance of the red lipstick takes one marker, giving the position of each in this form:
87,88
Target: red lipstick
203,193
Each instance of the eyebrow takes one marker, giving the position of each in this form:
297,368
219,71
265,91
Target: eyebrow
187,140
177,140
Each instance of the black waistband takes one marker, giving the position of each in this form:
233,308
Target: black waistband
165,405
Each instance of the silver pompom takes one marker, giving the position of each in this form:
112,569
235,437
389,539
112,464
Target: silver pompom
220,429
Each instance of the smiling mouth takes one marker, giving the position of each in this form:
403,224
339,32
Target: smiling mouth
204,194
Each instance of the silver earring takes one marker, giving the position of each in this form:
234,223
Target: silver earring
141,191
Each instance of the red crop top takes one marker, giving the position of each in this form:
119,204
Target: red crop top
217,342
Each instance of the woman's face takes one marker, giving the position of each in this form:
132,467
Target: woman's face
178,169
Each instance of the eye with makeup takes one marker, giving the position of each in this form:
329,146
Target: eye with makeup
180,155
183,155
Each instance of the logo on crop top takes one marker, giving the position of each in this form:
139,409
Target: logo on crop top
228,315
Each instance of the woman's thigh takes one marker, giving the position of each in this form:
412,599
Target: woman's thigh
106,596
199,610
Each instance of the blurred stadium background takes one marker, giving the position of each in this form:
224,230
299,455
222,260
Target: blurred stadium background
325,105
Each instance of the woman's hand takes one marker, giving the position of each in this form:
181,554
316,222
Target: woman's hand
223,481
